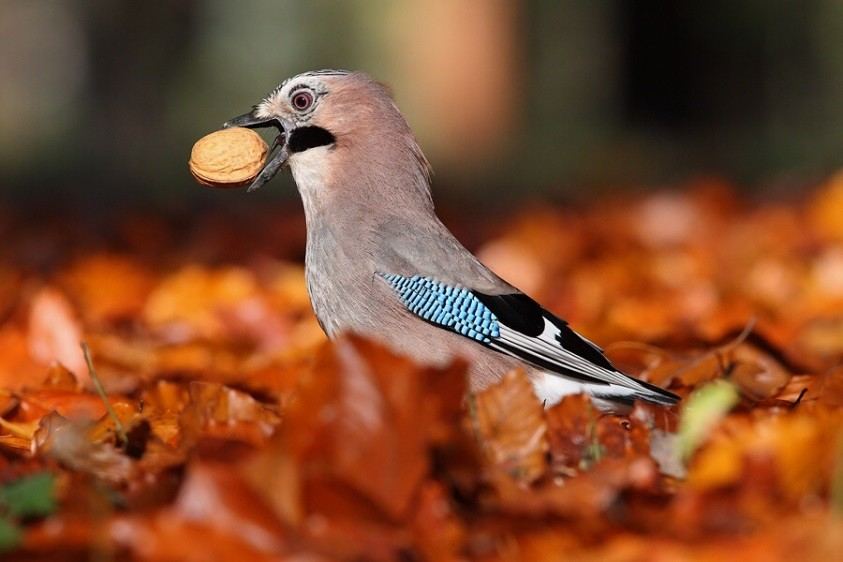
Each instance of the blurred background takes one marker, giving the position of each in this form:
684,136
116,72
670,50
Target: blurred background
101,101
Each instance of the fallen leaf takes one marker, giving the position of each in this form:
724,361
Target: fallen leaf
511,427
702,411
55,332
108,287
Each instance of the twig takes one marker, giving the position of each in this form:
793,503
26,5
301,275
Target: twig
118,425
798,400
836,485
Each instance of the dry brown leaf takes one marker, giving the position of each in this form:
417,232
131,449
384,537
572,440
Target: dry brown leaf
215,502
799,449
18,368
827,389
60,378
247,440
225,412
189,303
108,287
67,442
76,405
357,420
55,332
512,428
587,495
571,434
438,531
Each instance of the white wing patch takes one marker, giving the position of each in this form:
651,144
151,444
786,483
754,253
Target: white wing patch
552,388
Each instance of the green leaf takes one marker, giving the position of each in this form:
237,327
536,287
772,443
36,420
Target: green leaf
31,496
702,411
10,534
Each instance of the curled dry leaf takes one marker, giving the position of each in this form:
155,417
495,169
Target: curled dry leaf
55,332
580,436
68,443
227,413
355,423
511,427
757,375
571,436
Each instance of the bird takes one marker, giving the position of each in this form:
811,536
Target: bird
380,263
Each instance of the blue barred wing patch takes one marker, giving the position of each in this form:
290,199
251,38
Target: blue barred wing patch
451,307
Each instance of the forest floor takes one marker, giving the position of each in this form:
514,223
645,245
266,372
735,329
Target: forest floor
229,428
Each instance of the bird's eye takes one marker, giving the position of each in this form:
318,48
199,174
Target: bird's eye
302,100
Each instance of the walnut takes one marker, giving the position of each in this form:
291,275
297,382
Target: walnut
228,157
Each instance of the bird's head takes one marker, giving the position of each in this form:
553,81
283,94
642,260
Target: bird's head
330,122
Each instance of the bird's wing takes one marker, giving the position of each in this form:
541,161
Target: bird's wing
516,325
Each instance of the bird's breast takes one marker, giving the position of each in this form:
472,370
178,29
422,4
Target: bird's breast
340,282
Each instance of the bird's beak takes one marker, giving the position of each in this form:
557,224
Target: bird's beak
276,160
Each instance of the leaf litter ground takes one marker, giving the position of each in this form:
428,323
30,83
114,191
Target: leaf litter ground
238,432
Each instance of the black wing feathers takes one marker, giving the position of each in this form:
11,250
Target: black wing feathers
530,338
520,312
517,310
574,343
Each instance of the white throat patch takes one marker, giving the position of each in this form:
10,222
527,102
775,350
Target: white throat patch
311,171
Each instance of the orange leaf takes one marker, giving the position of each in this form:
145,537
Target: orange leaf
108,287
55,333
570,433
512,427
357,428
227,413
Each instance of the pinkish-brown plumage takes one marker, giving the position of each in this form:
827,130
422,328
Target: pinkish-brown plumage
365,185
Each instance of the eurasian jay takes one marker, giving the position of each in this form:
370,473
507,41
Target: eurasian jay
381,264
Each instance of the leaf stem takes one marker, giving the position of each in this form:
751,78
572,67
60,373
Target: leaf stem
118,425
836,492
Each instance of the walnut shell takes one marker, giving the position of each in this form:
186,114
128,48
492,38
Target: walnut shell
228,157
